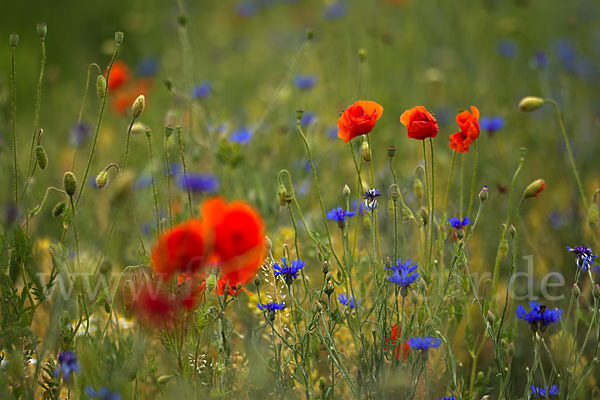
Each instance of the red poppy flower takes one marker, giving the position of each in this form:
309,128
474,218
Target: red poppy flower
119,75
181,249
238,238
152,303
358,119
468,122
395,332
419,123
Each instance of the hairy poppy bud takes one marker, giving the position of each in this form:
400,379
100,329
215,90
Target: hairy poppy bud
483,195
14,40
162,380
211,282
391,151
282,192
102,179
424,215
503,249
534,188
530,103
593,216
119,37
299,113
58,209
70,183
41,156
418,188
138,106
365,151
42,30
100,86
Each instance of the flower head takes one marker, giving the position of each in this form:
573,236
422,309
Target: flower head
456,223
67,364
358,119
180,249
241,136
468,122
305,82
272,306
424,343
288,272
346,300
491,124
539,317
584,257
403,275
202,90
401,349
371,196
339,215
119,75
419,123
103,393
543,392
198,183
451,397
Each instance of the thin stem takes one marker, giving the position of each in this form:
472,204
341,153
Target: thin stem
182,155
473,182
13,92
153,184
169,201
127,146
428,225
37,107
432,211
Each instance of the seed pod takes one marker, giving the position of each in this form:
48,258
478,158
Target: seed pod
299,113
365,151
42,30
391,151
169,131
593,216
503,249
102,179
530,103
119,37
58,209
41,156
14,40
138,106
70,183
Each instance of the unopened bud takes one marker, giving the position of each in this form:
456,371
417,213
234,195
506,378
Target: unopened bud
328,276
530,103
211,282
534,188
329,289
100,86
182,19
70,183
512,230
576,291
58,209
318,307
480,376
138,106
490,317
391,151
42,30
41,156
13,40
325,267
268,243
424,215
365,151
483,194
164,379
503,249
346,191
282,193
593,216
362,54
119,37
257,281
299,113
102,179
596,291
418,187
310,34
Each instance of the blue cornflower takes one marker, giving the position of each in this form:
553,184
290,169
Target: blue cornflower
305,82
491,124
403,275
103,393
308,118
241,136
80,133
539,317
339,215
565,50
371,196
271,306
507,48
198,183
458,224
67,364
451,397
175,169
424,343
336,10
541,392
288,272
584,258
147,67
202,90
540,60
346,300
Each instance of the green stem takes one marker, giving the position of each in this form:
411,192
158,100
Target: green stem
473,182
13,92
153,184
37,108
182,155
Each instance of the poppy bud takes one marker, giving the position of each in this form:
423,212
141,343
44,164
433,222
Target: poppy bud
346,191
138,106
42,30
58,209
530,103
593,216
483,195
100,86
299,113
164,379
414,297
42,157
503,249
102,179
534,188
70,183
14,40
418,188
362,54
148,133
282,192
391,151
424,215
211,282
119,37
365,151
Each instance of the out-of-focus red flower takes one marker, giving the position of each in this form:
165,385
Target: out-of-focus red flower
152,303
119,75
419,123
123,99
395,332
358,119
181,249
468,122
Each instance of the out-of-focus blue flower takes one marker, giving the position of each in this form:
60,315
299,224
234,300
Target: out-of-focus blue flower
539,60
246,9
443,115
584,68
141,182
67,365
361,207
539,317
451,397
103,393
175,169
288,272
584,257
541,392
339,215
456,223
370,197
507,48
424,343
565,51
272,306
202,90
403,274
335,10
491,124
198,183
147,67
241,136
332,132
346,300
308,118
79,134
305,82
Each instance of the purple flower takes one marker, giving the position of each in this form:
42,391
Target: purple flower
80,133
202,90
332,132
507,48
241,136
67,364
403,275
288,272
491,124
539,317
198,183
246,9
370,197
272,306
103,393
336,10
308,118
540,60
456,223
305,82
424,343
584,257
346,300
541,392
147,67
339,215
